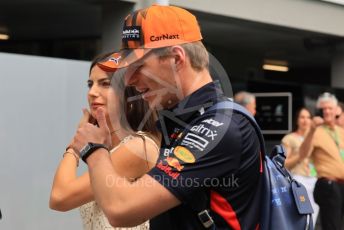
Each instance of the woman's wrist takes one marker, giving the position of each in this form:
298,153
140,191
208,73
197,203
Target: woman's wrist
72,152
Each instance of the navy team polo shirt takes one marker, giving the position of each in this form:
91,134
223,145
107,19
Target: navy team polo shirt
214,151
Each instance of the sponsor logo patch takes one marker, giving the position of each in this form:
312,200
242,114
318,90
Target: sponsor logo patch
204,131
173,162
167,151
213,122
115,59
168,170
164,37
131,33
184,154
174,135
194,141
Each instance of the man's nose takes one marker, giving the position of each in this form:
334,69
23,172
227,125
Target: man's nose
130,78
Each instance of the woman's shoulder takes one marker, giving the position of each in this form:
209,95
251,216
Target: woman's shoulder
138,134
143,138
289,137
134,156
139,144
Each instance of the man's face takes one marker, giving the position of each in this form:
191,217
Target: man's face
156,79
251,107
329,111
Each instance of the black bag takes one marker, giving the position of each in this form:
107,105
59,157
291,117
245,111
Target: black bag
285,203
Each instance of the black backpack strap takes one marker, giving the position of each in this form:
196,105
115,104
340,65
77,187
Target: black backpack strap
229,104
200,202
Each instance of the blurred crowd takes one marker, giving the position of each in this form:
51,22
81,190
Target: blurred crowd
315,155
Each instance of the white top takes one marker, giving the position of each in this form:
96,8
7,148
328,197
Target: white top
93,217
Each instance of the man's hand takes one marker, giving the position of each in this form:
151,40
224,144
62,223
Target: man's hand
88,132
316,122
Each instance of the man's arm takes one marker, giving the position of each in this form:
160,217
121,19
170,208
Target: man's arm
124,203
306,146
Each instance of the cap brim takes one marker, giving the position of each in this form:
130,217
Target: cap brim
122,59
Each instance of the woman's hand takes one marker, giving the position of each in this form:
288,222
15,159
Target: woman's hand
90,133
86,118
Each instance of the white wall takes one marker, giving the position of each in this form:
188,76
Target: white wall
40,105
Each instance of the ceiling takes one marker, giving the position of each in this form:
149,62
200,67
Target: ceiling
52,19
298,48
30,20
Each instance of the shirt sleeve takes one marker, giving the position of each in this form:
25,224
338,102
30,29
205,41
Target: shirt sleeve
203,156
286,141
291,144
317,136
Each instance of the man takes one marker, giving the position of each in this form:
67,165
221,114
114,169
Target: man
208,173
246,99
325,143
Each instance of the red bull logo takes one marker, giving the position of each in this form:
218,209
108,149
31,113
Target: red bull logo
168,170
173,162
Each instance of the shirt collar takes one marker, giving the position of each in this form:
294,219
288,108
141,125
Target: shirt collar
197,102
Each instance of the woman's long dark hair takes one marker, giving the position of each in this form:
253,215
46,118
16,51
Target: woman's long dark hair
138,116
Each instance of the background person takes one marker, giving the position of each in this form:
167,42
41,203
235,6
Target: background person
246,99
70,191
325,144
301,168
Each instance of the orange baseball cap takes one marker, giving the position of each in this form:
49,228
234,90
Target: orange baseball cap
154,27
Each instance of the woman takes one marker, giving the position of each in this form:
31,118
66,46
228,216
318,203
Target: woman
133,152
301,169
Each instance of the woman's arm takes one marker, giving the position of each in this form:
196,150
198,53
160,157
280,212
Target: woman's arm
135,157
293,158
69,191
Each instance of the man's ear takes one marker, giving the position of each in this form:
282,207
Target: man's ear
180,57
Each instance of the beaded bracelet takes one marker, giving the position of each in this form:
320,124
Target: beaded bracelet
75,155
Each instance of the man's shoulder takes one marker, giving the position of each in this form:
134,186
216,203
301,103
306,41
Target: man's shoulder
319,131
218,130
223,121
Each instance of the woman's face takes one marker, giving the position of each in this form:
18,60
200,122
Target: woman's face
304,120
101,94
